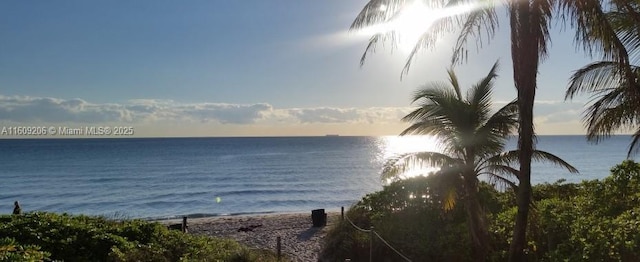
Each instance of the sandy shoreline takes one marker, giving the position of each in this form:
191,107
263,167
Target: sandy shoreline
300,241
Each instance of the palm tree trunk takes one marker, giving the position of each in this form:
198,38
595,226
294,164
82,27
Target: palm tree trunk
523,197
525,39
476,220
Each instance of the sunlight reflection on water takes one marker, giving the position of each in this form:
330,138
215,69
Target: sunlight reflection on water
394,146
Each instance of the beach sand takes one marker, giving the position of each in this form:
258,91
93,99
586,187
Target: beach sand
300,241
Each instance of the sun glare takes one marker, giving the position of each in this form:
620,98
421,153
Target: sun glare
392,146
412,22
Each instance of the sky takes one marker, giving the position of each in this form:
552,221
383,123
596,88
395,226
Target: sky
236,68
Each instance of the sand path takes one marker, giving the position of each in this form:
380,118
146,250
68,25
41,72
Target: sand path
300,241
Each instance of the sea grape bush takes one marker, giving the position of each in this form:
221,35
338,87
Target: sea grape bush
409,215
61,237
64,236
10,250
597,220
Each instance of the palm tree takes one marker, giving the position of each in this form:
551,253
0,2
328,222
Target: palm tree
529,23
472,140
616,99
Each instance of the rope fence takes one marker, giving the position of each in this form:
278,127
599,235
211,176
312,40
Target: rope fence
356,227
372,233
394,250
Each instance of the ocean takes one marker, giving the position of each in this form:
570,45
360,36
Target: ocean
172,177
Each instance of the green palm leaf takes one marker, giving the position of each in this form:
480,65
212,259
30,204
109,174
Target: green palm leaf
400,164
529,22
511,157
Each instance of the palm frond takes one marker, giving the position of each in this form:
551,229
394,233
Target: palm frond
503,171
472,25
375,12
465,127
450,181
433,127
479,97
480,93
400,164
499,180
446,25
594,31
612,111
453,80
634,147
595,77
379,12
433,116
446,183
625,22
440,113
371,47
421,114
498,127
503,122
615,101
432,92
630,8
511,157
449,201
438,29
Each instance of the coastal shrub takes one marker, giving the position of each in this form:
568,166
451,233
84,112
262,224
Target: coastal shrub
596,220
66,237
176,246
558,189
603,218
10,250
409,215
344,241
83,238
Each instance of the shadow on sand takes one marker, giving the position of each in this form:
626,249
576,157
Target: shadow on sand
308,234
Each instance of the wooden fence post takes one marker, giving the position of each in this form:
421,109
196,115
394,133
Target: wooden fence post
279,247
371,244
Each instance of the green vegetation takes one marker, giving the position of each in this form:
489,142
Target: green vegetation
48,236
530,22
596,220
472,140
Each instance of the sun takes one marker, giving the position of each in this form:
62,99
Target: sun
412,21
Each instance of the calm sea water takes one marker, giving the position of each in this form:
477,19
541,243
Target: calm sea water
169,177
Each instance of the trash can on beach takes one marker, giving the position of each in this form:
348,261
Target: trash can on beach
319,217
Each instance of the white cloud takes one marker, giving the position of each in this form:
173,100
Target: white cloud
223,113
24,109
45,109
557,111
551,117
